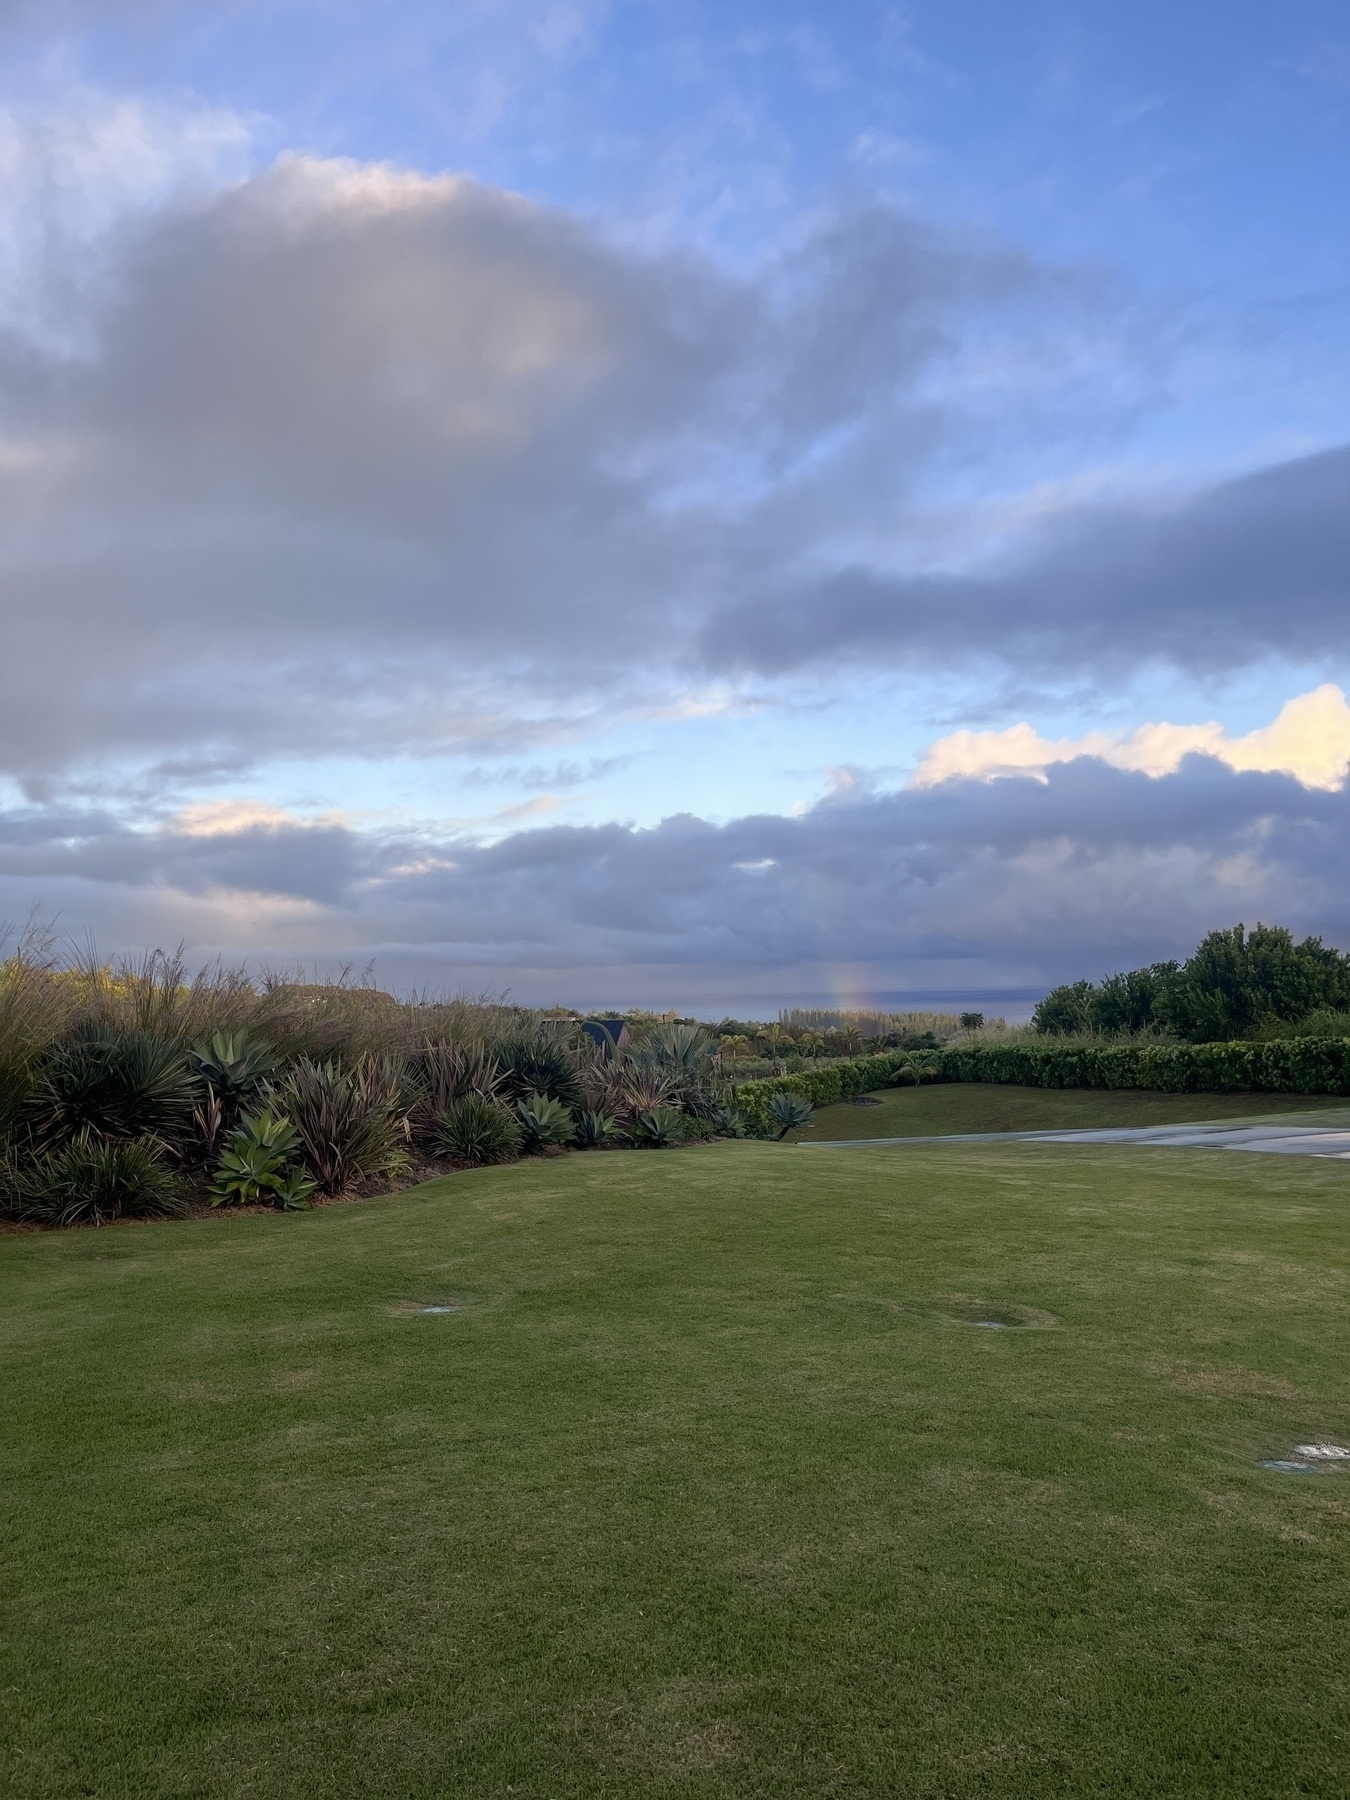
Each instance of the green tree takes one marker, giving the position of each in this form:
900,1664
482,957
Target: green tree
1240,981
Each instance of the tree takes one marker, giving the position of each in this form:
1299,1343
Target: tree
1241,981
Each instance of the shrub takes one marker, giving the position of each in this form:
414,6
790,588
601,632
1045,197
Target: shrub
657,1129
789,1112
92,1181
476,1130
592,1130
349,1120
543,1122
255,1166
539,1066
112,1083
445,1072
730,1121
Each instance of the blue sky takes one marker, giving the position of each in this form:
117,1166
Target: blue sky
446,433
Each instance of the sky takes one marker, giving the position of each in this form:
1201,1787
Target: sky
717,506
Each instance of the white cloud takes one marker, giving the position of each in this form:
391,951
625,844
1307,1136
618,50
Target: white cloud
1310,740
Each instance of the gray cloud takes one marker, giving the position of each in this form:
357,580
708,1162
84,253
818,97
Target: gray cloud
1248,568
1010,882
359,458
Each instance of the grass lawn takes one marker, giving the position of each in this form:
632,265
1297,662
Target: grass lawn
710,1486
986,1106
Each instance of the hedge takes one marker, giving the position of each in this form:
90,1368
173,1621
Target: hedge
823,1087
1284,1066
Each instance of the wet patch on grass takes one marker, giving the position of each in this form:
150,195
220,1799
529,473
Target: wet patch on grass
987,1315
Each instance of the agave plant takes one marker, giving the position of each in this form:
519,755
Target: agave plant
256,1165
90,1180
543,1122
349,1121
789,1112
234,1065
658,1128
592,1130
730,1121
474,1129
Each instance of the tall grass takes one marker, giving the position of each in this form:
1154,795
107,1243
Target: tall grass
136,1078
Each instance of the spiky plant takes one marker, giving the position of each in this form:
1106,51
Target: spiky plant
592,1129
349,1120
476,1130
730,1121
543,1123
257,1165
789,1112
89,1180
659,1128
447,1071
539,1065
112,1083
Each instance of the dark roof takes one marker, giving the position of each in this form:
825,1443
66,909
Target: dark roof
604,1031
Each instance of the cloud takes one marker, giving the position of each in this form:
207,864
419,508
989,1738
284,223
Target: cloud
965,884
1247,569
345,456
1309,740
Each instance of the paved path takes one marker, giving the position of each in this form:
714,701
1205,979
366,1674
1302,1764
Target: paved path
1270,1139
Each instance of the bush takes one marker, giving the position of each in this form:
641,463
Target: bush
349,1121
657,1129
110,1083
592,1130
476,1130
822,1087
539,1066
543,1122
730,1121
255,1166
1283,1065
92,1181
789,1112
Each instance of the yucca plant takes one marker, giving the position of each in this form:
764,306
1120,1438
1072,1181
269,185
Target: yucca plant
592,1129
349,1120
89,1180
257,1165
543,1122
539,1066
476,1130
111,1083
658,1128
789,1112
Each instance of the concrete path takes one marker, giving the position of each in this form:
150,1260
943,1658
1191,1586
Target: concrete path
1269,1138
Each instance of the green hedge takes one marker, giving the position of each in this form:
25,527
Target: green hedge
822,1087
1286,1066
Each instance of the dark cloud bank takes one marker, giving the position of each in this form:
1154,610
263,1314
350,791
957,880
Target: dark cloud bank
962,887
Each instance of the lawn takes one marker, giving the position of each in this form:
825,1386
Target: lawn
978,1106
710,1485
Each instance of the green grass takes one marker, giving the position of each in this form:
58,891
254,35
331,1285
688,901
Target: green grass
982,1106
709,1488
